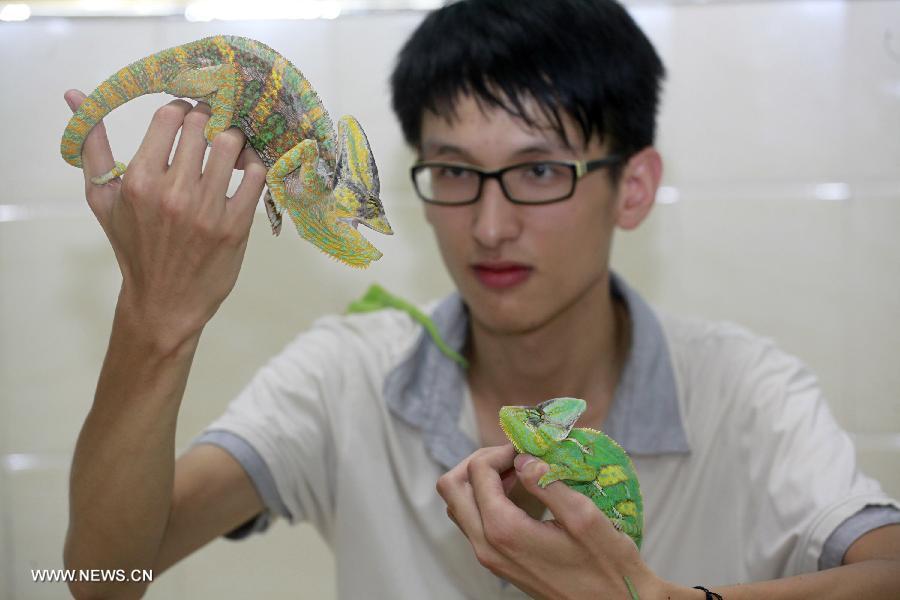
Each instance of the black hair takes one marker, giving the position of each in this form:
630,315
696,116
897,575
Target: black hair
584,58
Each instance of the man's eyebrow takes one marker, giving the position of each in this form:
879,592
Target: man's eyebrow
547,148
439,148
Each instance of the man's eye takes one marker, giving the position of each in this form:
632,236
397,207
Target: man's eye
452,172
542,171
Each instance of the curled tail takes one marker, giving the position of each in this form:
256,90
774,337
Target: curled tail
139,78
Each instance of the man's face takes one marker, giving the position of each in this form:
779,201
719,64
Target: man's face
519,267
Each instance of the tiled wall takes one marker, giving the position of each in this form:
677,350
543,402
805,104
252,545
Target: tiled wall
780,130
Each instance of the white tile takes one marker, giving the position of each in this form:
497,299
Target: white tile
780,91
880,462
873,314
37,520
60,282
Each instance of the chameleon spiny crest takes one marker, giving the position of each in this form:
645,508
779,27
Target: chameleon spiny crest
327,181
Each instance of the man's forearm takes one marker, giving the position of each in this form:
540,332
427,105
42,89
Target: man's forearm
123,467
876,578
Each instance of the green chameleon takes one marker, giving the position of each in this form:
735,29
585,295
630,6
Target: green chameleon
327,181
586,460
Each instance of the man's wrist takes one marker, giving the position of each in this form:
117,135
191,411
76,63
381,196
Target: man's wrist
654,588
671,591
158,335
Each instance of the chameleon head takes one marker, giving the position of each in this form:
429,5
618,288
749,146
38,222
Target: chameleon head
357,188
534,429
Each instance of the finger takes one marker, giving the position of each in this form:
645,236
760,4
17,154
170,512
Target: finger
96,155
452,517
570,508
156,147
249,190
455,489
507,527
226,147
245,155
188,159
484,473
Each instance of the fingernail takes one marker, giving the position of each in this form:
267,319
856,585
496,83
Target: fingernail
522,460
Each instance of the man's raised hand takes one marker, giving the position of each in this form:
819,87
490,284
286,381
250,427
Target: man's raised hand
178,239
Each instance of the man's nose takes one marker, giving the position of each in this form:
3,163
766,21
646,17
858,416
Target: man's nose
496,218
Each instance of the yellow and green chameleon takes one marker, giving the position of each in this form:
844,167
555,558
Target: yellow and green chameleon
327,181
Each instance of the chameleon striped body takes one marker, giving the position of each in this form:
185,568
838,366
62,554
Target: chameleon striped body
326,180
586,460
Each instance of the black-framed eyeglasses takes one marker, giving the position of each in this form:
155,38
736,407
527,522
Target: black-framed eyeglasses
535,182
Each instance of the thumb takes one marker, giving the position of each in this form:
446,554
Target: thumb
568,506
530,469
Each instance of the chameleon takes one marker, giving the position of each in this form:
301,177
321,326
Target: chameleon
586,460
327,181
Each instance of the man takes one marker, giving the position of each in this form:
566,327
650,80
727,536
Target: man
534,125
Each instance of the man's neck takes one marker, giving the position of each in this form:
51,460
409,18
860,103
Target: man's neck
579,352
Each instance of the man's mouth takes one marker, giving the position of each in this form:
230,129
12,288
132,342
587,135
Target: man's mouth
501,275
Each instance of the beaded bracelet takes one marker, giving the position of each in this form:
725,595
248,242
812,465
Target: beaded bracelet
709,595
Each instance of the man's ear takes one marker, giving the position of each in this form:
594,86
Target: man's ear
637,188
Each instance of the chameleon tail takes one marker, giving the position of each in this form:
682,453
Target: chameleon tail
139,78
631,591
377,298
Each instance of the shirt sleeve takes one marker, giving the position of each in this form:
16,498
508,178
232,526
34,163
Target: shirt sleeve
869,518
280,428
803,464
260,476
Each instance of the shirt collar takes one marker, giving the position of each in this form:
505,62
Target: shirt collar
426,388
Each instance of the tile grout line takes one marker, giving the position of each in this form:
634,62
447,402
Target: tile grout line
884,442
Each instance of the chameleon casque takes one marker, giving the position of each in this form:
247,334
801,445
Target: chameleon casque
586,460
327,181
